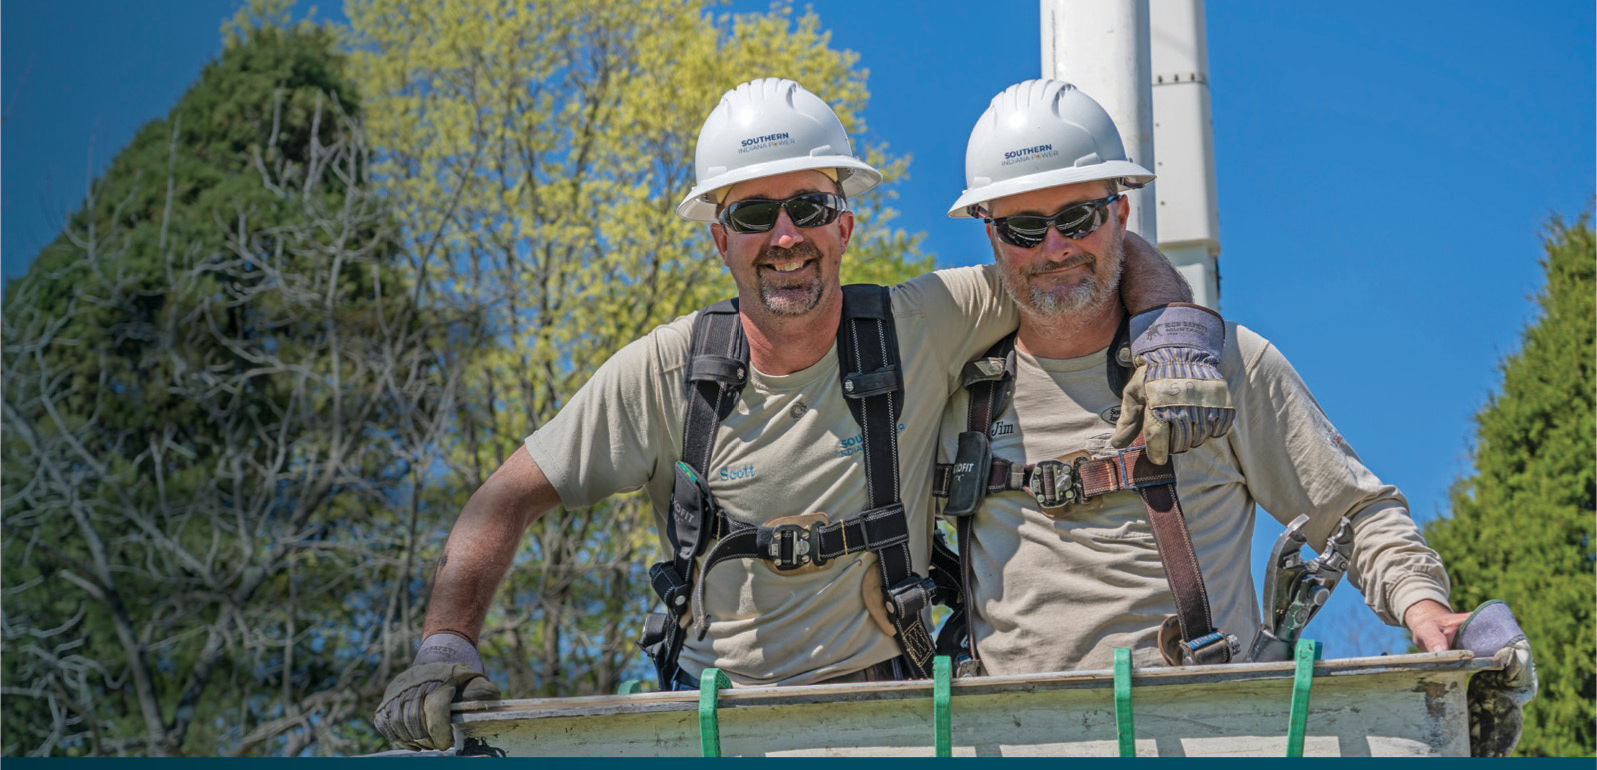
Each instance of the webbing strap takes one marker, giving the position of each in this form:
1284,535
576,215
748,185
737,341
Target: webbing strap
873,530
873,385
1126,469
710,684
990,381
717,337
713,380
1125,731
872,382
867,345
942,679
1200,643
1302,680
989,396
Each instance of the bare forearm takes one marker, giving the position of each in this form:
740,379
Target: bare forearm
1149,280
483,544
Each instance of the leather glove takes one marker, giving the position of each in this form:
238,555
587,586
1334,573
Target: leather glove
1496,698
1176,398
414,713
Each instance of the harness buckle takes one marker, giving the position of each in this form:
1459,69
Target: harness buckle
1056,484
793,546
1210,649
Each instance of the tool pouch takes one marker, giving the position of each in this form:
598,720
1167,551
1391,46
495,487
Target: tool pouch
656,641
967,485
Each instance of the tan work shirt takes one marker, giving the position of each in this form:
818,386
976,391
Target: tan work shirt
790,447
1062,595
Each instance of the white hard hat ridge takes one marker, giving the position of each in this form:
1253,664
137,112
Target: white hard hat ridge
767,127
1039,134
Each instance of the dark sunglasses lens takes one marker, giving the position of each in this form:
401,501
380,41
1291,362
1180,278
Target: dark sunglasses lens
1025,232
1079,220
810,211
752,216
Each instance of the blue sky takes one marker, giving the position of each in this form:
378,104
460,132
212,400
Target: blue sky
1385,170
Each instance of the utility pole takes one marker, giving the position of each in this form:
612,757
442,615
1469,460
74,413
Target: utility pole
1147,63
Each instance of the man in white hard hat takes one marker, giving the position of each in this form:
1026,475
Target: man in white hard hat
1074,540
789,482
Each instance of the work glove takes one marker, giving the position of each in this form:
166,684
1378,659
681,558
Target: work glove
1496,698
1176,397
415,710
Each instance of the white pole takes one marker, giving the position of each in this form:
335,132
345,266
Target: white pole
1101,46
1147,63
1183,129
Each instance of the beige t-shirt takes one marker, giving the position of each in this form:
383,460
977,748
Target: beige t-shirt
1062,595
790,447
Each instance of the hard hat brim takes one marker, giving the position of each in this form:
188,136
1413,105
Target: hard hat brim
854,175
1114,169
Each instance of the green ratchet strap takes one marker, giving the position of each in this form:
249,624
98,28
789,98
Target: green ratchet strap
1123,727
1308,652
630,687
710,684
942,682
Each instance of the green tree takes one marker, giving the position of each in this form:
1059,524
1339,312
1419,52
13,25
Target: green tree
1522,528
536,154
212,383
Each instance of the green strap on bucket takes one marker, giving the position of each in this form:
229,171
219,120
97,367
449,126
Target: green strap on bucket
710,684
1124,729
942,684
1307,652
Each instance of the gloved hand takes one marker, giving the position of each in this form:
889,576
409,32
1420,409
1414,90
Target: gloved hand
1496,698
1176,398
415,709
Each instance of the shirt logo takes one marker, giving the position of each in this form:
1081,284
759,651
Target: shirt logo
855,444
1111,415
1001,428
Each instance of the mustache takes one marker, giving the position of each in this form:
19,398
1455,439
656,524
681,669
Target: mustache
769,254
1075,261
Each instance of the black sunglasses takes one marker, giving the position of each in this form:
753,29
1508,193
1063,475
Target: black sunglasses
758,215
1074,221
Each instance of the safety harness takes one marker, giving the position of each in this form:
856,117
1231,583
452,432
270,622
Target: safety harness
1058,484
873,384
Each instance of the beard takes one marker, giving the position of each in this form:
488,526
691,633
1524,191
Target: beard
794,295
1088,297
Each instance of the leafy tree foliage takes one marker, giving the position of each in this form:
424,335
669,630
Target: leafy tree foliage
206,378
242,404
536,154
1522,528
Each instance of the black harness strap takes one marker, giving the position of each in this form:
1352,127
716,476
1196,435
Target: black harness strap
990,380
974,474
717,370
872,381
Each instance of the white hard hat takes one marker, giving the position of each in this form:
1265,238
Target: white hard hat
1039,134
767,127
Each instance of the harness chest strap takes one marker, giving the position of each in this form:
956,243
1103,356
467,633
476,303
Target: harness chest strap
1057,484
1048,478
872,381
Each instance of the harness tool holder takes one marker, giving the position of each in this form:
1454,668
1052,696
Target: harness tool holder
1057,484
872,382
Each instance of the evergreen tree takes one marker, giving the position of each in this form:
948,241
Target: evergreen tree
1522,528
205,376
